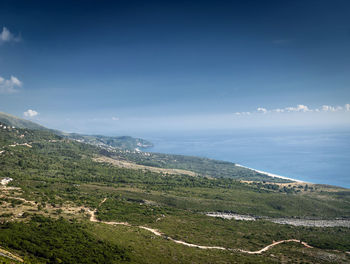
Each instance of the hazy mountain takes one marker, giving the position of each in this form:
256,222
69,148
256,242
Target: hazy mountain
120,142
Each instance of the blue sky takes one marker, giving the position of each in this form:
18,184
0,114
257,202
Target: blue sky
137,66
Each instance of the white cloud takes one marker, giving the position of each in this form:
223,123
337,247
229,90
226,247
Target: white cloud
30,113
347,107
329,108
262,110
242,113
7,36
299,108
115,118
10,85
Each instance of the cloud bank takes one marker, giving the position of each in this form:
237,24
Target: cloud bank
299,108
7,36
30,113
262,110
10,85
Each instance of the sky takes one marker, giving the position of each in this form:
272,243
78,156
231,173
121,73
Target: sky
131,67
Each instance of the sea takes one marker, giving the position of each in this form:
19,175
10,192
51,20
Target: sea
315,156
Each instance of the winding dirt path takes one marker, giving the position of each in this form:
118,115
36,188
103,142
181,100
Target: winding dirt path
102,201
160,234
275,244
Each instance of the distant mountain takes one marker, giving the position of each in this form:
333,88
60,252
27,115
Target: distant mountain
123,142
107,142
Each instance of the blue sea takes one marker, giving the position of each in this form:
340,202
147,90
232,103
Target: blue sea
318,156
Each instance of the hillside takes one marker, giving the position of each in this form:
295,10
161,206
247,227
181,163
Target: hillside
202,166
114,147
11,120
64,202
122,142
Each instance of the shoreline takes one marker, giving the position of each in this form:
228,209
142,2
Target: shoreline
270,174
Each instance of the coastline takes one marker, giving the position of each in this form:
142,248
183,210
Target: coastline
269,174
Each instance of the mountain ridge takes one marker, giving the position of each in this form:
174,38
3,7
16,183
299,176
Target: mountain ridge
18,122
108,142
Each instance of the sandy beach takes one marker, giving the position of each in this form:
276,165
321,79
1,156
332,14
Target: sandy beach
269,174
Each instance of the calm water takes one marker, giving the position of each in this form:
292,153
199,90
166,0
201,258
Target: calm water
313,156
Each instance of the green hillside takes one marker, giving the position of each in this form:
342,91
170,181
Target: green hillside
203,166
11,120
123,142
107,142
57,187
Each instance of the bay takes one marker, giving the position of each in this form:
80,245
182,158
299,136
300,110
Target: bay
316,156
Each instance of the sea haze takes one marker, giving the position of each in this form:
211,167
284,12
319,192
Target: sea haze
321,156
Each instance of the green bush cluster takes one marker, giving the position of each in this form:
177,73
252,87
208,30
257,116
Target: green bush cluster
58,241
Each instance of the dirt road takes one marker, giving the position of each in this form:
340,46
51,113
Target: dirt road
160,234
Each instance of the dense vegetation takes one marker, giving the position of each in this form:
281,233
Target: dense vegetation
58,241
